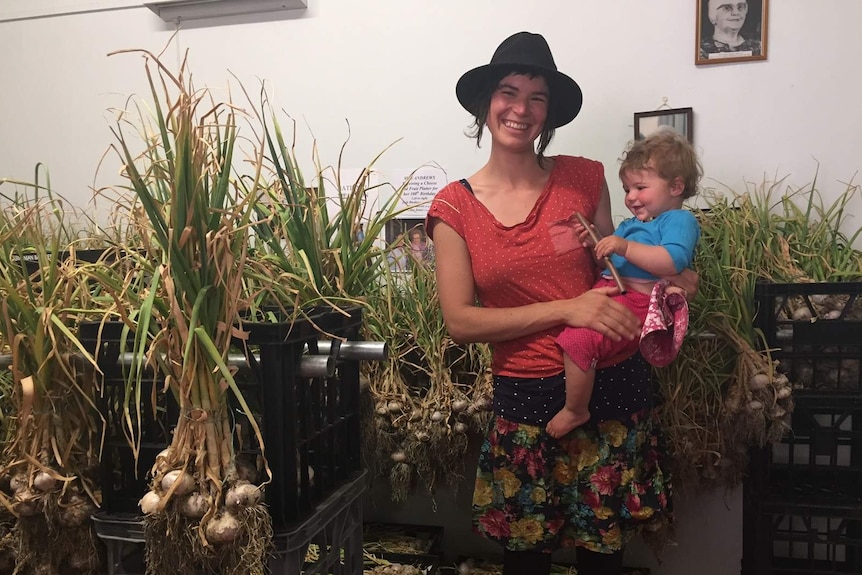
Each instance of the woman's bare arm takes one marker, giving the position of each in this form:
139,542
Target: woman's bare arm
467,322
602,220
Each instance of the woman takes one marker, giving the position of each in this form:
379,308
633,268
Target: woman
727,18
504,238
418,246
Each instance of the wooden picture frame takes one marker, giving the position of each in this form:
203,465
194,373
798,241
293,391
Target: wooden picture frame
678,119
719,20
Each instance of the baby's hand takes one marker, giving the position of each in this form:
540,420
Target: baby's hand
611,245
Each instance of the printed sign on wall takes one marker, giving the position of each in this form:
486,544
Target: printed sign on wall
423,184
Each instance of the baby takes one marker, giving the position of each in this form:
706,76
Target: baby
658,174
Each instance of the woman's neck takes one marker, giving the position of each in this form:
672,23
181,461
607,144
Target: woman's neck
515,168
510,184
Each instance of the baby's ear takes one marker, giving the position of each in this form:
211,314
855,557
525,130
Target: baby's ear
677,186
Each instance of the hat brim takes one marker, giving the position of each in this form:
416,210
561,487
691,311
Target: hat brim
566,95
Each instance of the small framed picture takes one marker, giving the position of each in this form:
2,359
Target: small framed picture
406,238
678,119
730,31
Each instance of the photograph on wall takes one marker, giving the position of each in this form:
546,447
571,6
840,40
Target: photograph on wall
730,31
406,240
680,120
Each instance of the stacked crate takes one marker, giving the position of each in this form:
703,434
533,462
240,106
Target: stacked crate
123,476
327,542
303,389
310,421
802,500
419,546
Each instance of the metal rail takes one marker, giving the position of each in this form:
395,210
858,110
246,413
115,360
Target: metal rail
321,364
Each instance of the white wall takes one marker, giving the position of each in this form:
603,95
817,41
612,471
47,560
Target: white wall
390,67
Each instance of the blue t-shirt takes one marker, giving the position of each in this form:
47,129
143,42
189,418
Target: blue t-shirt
676,230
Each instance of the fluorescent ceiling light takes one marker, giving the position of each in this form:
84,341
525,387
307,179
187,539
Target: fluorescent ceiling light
173,10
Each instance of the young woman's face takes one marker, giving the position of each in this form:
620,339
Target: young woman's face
518,110
648,195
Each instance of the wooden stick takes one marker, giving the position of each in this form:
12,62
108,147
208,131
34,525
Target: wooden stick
596,237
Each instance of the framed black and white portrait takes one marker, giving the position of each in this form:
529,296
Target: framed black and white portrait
678,119
730,31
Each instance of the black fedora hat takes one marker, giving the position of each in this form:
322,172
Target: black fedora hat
527,52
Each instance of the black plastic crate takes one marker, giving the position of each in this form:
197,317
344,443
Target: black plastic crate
89,256
309,423
333,530
817,539
819,460
819,348
123,479
123,536
405,544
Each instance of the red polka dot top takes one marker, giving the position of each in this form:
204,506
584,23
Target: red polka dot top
539,259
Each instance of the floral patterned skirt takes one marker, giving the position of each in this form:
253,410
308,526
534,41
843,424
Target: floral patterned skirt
594,488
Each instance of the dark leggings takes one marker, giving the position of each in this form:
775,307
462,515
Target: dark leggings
526,563
538,563
592,563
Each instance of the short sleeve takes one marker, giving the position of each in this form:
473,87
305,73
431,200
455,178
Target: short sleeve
446,207
680,233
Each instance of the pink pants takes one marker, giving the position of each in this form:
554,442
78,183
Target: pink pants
588,348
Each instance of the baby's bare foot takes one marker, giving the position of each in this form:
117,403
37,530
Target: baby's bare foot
565,421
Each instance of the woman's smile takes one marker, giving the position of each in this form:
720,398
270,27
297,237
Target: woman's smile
515,125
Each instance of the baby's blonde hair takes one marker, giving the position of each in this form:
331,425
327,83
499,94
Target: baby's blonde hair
669,154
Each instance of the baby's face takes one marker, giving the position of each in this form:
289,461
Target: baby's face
648,195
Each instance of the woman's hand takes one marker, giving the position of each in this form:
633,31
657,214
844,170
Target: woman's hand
687,280
597,311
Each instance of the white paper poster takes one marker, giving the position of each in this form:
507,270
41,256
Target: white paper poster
418,192
348,178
